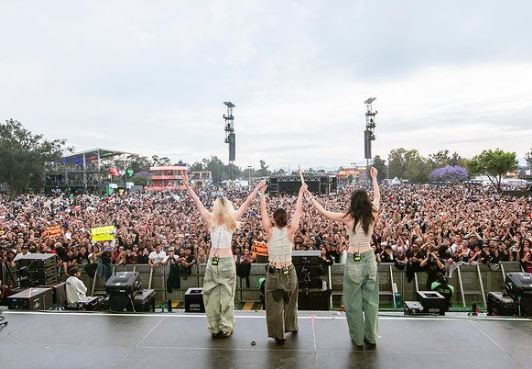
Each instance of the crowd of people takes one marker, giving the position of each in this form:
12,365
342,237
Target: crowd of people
420,227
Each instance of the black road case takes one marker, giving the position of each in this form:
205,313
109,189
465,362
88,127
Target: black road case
518,285
501,304
144,301
31,299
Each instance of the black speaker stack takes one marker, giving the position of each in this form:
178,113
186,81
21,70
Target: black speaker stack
516,298
37,269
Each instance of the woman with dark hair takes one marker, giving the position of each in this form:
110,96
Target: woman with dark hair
361,288
282,286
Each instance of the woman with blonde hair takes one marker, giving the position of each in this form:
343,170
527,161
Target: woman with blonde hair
219,283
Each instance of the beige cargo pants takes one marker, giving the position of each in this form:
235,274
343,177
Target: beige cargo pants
219,287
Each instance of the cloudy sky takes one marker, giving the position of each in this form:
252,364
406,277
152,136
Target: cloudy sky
150,77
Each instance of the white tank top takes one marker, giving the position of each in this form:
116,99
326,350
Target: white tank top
221,238
280,247
359,241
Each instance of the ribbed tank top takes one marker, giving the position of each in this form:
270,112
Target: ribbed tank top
358,240
221,237
280,247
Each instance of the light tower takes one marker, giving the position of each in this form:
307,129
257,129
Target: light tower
369,132
230,137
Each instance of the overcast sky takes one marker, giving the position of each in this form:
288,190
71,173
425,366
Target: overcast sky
150,77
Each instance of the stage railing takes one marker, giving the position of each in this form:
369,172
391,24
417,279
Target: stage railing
471,283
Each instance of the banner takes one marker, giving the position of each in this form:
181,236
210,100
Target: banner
259,248
106,233
54,231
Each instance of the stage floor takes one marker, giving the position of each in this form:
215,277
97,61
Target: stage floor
178,340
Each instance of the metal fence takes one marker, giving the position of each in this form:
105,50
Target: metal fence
471,282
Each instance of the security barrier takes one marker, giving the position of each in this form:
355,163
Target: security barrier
471,283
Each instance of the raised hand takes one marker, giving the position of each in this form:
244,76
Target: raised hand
185,180
373,172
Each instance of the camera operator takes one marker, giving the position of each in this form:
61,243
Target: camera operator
173,281
442,286
433,265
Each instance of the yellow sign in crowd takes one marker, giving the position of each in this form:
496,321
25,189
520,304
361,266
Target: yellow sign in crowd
106,233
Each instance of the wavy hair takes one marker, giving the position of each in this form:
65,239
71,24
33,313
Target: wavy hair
361,209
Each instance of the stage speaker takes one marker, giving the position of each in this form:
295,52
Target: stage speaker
37,269
334,184
367,144
432,301
144,301
324,185
519,287
232,147
122,287
501,304
194,301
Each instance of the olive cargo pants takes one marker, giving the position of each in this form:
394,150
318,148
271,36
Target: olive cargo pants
281,301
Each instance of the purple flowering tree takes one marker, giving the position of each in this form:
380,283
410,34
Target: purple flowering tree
449,173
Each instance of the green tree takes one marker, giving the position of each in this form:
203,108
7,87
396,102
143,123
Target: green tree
157,161
279,172
216,167
380,165
23,156
493,164
397,163
444,158
264,170
528,158
135,162
198,167
237,172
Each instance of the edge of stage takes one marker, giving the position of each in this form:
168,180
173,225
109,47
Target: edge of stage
180,340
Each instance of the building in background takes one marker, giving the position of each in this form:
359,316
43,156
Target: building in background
201,178
84,171
169,177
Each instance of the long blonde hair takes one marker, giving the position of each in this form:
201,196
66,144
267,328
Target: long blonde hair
222,214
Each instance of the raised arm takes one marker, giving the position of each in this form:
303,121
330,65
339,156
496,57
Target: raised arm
339,217
205,214
376,190
240,212
294,224
265,218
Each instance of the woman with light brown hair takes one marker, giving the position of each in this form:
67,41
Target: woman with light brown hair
282,285
219,283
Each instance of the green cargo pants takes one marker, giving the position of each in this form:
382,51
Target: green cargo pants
361,297
281,301
219,286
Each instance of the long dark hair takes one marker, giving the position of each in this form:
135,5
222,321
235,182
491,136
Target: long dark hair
361,209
